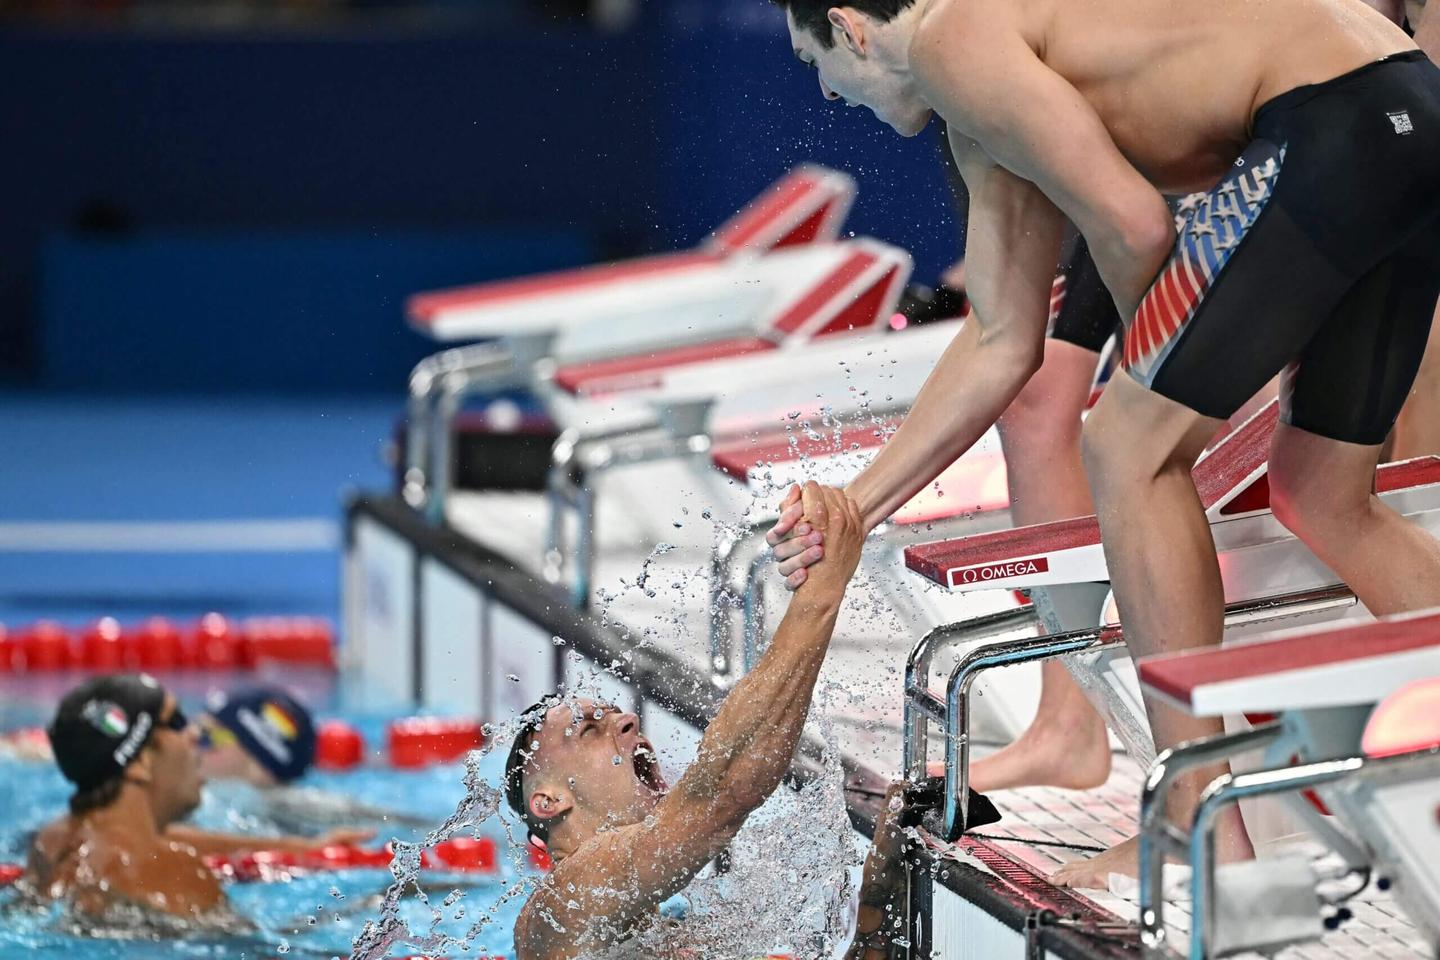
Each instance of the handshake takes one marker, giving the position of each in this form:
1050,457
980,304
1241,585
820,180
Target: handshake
817,524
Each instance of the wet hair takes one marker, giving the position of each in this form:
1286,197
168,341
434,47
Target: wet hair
97,797
813,15
531,720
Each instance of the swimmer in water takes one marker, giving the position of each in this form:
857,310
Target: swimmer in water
1315,251
262,738
586,781
134,759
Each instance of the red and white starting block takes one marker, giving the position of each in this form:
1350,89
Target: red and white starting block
807,206
773,277
1359,724
1269,576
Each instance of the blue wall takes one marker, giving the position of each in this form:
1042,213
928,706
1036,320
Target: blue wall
156,171
241,312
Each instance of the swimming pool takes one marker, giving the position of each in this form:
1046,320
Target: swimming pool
310,916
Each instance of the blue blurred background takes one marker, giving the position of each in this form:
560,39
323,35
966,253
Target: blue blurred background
215,211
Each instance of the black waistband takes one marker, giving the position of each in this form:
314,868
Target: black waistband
1300,94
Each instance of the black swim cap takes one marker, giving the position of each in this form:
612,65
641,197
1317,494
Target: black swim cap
101,726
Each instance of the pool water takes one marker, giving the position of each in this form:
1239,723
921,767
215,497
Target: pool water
310,916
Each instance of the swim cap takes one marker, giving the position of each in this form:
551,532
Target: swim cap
101,726
271,726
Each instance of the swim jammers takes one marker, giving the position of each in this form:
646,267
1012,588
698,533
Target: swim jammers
1082,311
1318,254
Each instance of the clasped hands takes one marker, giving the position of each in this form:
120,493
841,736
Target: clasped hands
816,522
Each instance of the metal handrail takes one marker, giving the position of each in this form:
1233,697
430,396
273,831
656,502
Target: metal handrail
576,465
957,703
921,705
1232,788
1157,836
438,387
423,386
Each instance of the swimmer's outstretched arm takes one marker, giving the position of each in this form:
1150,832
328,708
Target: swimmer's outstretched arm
1012,248
1032,151
594,896
208,843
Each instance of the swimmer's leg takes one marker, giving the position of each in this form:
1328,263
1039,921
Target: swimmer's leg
1139,448
1323,491
1322,460
1417,432
1067,745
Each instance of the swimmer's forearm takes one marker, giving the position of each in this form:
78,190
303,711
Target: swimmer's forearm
210,844
749,746
976,379
1130,260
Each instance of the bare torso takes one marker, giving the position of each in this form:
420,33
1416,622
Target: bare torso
1177,83
96,868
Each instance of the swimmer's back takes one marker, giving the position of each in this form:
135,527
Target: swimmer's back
1176,83
70,861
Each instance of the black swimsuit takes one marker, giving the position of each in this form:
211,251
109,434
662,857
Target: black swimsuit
1318,255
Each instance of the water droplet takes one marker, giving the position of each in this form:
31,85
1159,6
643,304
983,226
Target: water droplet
616,761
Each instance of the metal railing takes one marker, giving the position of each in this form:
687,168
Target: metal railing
923,707
1225,791
438,387
577,465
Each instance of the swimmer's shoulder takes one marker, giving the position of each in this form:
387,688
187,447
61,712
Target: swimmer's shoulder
950,30
51,849
171,878
543,931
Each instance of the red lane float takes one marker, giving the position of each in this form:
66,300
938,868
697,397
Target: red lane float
462,855
214,643
44,646
160,645
338,746
420,741
9,873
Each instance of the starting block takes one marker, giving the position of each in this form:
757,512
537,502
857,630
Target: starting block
1270,576
1355,726
806,207
773,276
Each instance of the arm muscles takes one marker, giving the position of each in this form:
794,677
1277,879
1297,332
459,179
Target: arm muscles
1011,253
1034,123
594,896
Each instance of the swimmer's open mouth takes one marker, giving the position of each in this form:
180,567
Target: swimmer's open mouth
647,768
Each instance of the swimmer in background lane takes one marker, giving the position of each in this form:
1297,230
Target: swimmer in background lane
586,781
133,757
255,744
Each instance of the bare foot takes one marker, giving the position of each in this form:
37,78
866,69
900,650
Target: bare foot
1076,757
1094,874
